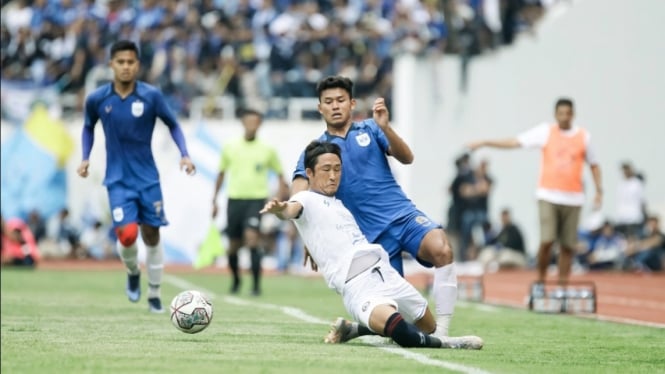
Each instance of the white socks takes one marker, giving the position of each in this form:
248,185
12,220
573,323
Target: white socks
129,256
444,292
155,265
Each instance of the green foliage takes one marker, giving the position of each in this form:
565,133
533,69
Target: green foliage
81,322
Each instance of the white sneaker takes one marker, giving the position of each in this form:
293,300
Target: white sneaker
462,342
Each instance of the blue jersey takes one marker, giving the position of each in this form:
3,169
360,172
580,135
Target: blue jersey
128,126
368,187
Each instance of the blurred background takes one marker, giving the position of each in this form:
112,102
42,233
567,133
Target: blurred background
452,71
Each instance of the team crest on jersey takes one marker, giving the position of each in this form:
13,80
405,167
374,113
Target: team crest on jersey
137,108
118,214
363,139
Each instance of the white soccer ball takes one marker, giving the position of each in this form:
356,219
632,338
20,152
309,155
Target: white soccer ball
191,311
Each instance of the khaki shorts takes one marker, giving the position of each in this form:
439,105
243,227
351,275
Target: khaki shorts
558,222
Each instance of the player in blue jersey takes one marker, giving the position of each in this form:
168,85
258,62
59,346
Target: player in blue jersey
369,190
128,110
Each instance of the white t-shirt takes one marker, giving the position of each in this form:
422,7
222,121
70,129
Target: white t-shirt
630,198
536,137
331,235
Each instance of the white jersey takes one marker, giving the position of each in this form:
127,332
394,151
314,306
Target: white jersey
331,235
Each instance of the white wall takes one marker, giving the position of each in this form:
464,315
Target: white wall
606,54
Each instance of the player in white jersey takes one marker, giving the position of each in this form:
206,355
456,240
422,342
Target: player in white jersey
374,294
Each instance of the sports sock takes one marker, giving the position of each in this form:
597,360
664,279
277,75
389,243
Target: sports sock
155,265
129,256
256,255
444,292
407,335
233,265
362,330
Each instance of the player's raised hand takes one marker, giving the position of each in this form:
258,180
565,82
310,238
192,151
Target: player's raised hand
187,164
380,112
274,206
83,168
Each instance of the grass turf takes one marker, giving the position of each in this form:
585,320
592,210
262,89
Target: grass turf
81,322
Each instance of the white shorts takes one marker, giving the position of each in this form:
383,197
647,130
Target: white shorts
381,285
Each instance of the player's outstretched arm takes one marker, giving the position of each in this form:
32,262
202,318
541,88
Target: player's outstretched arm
501,143
282,209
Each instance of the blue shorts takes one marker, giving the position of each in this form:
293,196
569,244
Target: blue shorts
405,234
144,206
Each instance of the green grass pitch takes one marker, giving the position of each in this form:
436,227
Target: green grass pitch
81,322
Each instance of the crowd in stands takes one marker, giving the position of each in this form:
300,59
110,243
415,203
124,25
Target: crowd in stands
633,241
254,50
25,243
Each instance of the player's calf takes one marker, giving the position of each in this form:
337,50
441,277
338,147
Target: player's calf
408,335
128,251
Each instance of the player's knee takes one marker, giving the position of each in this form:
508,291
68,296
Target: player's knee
127,234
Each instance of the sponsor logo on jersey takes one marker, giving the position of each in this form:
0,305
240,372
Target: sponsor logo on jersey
422,220
108,109
137,108
363,139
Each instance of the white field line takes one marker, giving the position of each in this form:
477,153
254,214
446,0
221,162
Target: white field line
303,316
605,299
627,321
627,301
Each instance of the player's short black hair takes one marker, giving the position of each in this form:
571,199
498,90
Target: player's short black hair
316,149
250,112
124,45
336,81
564,101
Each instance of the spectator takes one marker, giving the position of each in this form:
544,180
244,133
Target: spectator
648,253
606,249
66,235
507,250
37,225
631,203
95,242
474,191
19,247
483,185
459,203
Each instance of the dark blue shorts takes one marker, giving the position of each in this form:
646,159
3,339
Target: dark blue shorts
144,206
405,234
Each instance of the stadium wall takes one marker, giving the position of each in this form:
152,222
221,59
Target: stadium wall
606,55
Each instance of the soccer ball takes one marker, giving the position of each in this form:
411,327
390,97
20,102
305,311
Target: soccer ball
191,311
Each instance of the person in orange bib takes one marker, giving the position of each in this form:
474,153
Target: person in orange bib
565,148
